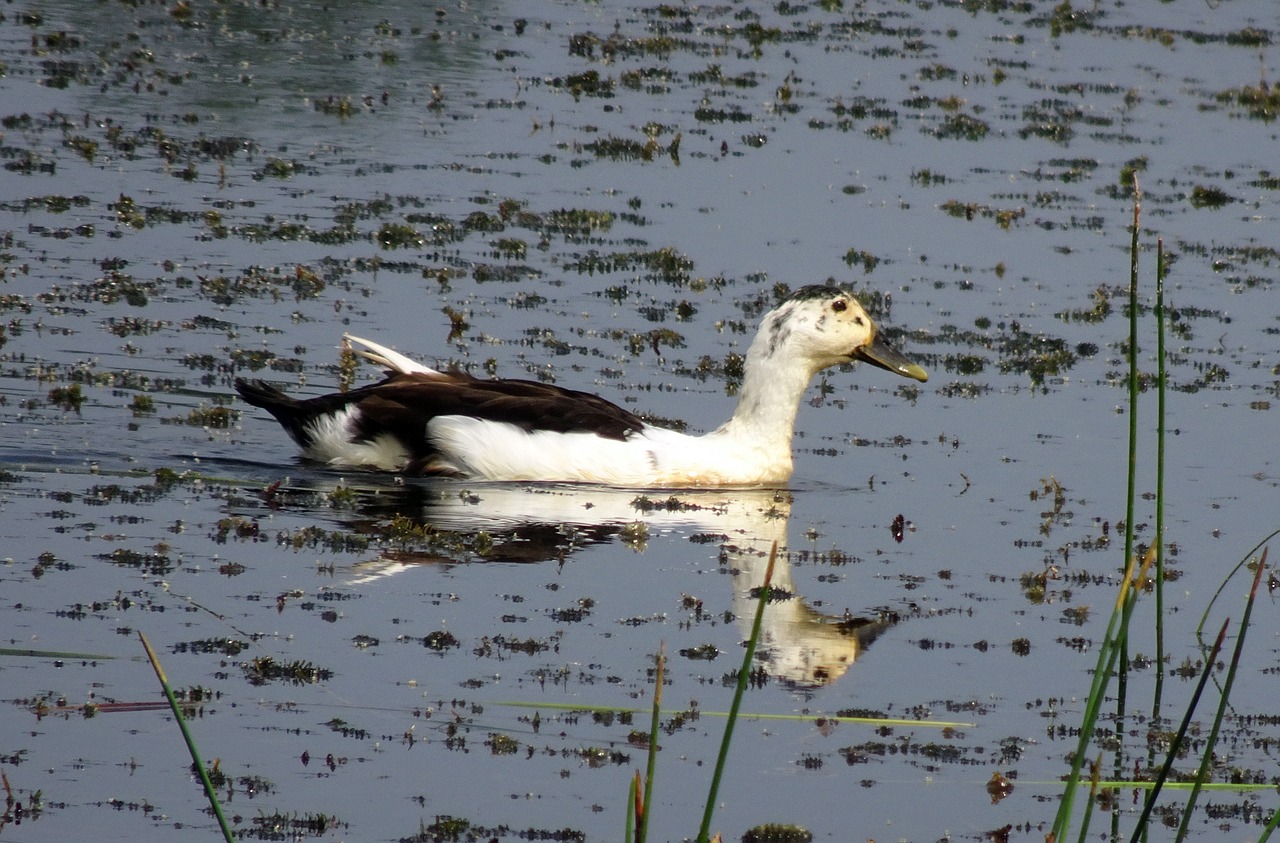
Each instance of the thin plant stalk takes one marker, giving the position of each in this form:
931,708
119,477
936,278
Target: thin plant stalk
1222,587
1176,745
1094,775
747,659
1101,671
1270,827
1117,630
1202,774
1122,677
191,743
1160,427
1133,371
1161,383
643,803
1122,672
633,808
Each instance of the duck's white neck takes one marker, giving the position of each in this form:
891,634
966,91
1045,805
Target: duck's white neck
764,420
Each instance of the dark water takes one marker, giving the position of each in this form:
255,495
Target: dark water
607,197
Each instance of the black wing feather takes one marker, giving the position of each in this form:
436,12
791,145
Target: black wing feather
529,405
404,403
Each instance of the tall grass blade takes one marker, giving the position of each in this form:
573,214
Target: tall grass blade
1222,587
633,808
1117,629
1202,775
52,654
1270,827
743,674
1095,773
186,735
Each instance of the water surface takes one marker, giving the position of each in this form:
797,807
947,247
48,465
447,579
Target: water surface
608,197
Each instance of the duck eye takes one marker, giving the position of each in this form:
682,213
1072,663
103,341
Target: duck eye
839,305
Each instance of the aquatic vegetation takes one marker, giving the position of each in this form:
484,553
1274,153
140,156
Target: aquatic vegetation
1209,197
440,640
628,149
867,260
152,564
218,417
1099,312
1259,102
237,527
1004,217
777,833
69,398
964,364
264,669
223,646
961,127
272,826
397,236
1065,19
279,168
1037,356
313,537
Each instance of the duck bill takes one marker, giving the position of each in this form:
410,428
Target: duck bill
879,353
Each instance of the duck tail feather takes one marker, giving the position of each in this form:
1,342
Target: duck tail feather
394,361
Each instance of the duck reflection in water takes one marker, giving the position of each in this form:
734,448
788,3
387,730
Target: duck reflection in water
452,523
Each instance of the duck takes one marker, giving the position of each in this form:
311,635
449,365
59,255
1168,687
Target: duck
426,422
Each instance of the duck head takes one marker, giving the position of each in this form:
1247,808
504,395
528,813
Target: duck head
826,326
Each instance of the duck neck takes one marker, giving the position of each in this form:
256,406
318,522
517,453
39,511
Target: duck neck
769,401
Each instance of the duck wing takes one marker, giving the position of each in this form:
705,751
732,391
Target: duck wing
403,405
529,405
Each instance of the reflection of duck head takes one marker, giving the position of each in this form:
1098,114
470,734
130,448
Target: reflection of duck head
449,522
800,646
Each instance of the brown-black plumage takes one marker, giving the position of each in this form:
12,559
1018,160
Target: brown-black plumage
403,404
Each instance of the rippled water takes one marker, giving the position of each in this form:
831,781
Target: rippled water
608,197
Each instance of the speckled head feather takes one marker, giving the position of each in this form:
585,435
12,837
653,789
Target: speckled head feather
817,291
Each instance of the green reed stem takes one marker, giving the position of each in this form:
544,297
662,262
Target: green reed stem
633,794
1222,587
1176,745
743,674
1133,371
1161,375
642,814
191,743
1117,630
1095,774
1122,678
1270,827
1202,775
